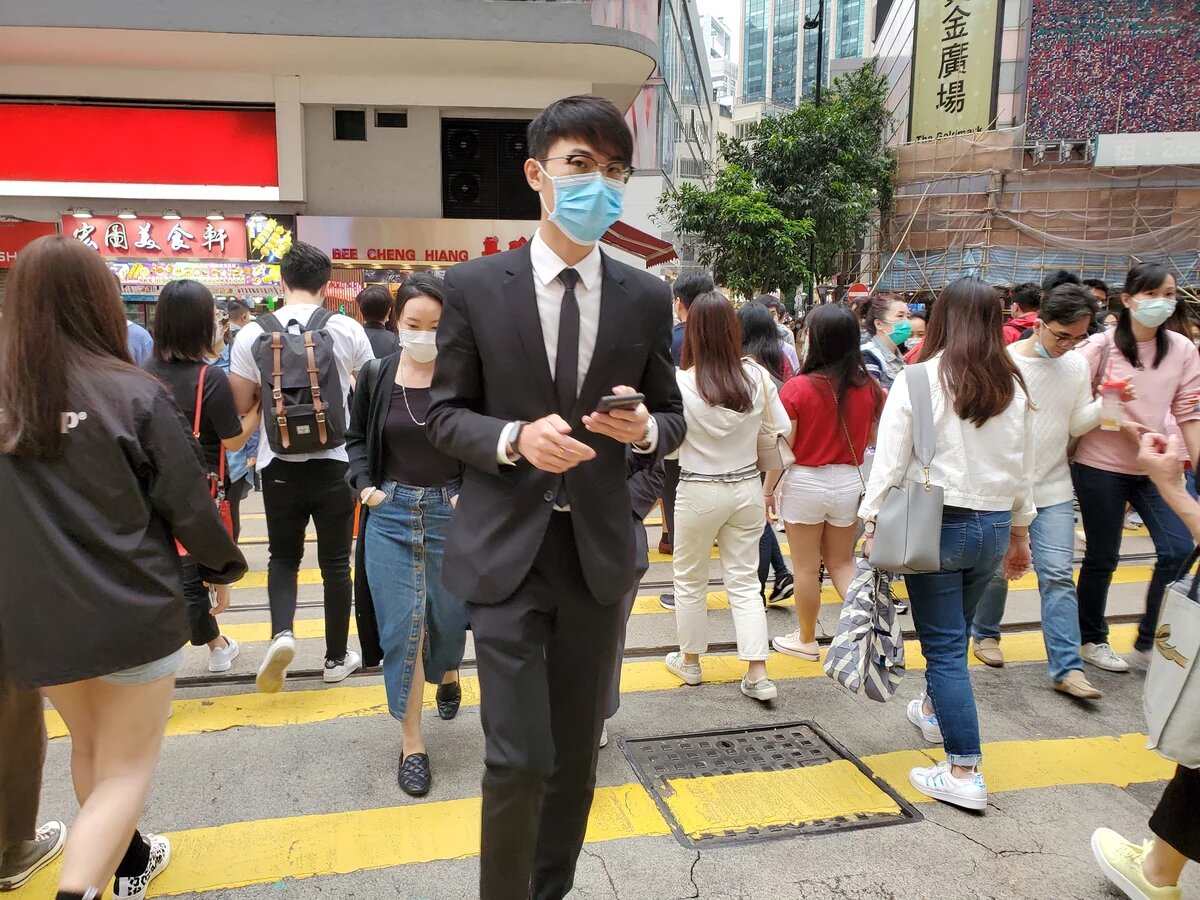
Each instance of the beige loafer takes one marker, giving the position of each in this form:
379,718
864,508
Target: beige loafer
1077,685
988,652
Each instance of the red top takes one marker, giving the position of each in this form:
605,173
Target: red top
820,438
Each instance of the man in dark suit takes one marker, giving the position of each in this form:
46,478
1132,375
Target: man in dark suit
541,544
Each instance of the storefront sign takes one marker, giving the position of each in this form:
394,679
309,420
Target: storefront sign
151,238
269,238
15,235
955,60
425,242
214,275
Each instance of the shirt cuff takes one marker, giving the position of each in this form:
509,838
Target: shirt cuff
506,437
651,442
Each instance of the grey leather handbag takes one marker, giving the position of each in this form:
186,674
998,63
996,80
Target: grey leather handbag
908,529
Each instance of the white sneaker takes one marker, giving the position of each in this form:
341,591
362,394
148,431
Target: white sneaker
690,673
1133,521
1102,656
928,724
939,783
764,689
135,888
339,671
221,659
791,645
273,670
604,736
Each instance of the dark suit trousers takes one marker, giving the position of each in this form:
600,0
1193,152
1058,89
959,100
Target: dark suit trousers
545,659
670,487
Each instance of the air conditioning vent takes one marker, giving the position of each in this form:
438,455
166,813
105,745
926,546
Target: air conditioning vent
349,124
391,118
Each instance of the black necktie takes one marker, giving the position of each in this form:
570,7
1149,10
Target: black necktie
566,364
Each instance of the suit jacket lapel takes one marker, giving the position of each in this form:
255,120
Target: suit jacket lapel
613,298
521,298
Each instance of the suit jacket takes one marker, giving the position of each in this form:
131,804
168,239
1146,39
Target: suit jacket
492,369
647,474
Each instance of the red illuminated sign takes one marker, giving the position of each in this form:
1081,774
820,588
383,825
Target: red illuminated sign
400,254
15,235
154,238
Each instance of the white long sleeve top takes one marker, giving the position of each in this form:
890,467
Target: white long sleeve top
720,441
1063,408
986,469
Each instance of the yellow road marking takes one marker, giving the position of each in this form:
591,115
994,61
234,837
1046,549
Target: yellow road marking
204,860
302,707
718,804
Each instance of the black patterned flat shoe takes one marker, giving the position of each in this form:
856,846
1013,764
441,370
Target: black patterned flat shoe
449,698
414,776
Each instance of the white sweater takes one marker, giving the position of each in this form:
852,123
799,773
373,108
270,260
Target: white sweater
719,440
1063,408
987,469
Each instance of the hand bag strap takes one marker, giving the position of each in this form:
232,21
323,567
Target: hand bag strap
199,401
762,379
920,394
846,432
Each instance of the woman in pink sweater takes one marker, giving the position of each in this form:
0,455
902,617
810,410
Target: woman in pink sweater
1164,370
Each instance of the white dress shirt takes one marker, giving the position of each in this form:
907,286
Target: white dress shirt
547,266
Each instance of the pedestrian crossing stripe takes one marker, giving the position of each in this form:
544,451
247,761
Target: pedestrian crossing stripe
303,707
263,851
644,605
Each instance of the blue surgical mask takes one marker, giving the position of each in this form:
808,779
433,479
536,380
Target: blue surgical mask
585,206
1153,313
1041,349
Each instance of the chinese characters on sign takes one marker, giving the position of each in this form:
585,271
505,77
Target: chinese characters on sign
158,238
954,68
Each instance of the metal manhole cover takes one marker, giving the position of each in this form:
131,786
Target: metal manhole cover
740,785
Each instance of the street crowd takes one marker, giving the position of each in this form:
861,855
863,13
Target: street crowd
503,432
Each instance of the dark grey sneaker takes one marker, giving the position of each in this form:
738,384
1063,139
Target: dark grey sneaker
21,862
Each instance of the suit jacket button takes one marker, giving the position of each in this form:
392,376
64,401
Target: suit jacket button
548,496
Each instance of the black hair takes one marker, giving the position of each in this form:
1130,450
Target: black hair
594,120
833,336
760,338
1054,279
1141,278
1096,285
420,284
1102,315
236,308
305,268
770,301
877,308
375,304
1028,296
691,285
1068,303
919,314
184,324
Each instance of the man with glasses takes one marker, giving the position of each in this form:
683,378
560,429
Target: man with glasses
541,543
1059,385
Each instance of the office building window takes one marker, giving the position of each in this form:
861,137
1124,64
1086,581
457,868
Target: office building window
754,40
785,52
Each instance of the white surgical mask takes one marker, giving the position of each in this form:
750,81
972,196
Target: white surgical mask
421,346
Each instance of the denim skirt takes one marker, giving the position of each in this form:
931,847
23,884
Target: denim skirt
405,540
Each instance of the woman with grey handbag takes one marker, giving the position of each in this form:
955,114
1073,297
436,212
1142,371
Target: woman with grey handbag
728,402
951,484
1153,869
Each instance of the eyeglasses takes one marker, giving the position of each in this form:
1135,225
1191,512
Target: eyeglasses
1065,340
580,164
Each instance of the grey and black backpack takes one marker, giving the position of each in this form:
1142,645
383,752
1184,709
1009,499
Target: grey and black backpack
302,399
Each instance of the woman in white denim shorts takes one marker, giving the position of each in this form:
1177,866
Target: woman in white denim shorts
834,406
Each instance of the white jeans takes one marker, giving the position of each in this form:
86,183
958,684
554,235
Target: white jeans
735,516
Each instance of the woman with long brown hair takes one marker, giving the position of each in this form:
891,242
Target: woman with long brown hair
983,461
726,400
99,476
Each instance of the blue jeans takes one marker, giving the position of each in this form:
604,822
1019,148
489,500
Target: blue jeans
1102,498
405,540
943,606
1053,536
770,556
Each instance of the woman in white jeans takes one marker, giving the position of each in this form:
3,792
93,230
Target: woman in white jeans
725,401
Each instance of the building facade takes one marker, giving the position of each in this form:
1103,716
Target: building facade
722,67
381,110
1090,160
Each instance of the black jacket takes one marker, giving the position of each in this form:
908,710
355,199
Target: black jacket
90,578
492,369
647,475
368,416
384,342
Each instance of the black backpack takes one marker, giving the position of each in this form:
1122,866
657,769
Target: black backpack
302,398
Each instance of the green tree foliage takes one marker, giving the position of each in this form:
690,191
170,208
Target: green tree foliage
750,246
829,164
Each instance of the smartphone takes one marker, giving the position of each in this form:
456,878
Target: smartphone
212,597
620,401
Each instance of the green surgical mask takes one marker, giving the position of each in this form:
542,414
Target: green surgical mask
901,332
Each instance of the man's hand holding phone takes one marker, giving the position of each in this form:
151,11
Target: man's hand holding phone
626,426
219,596
548,445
